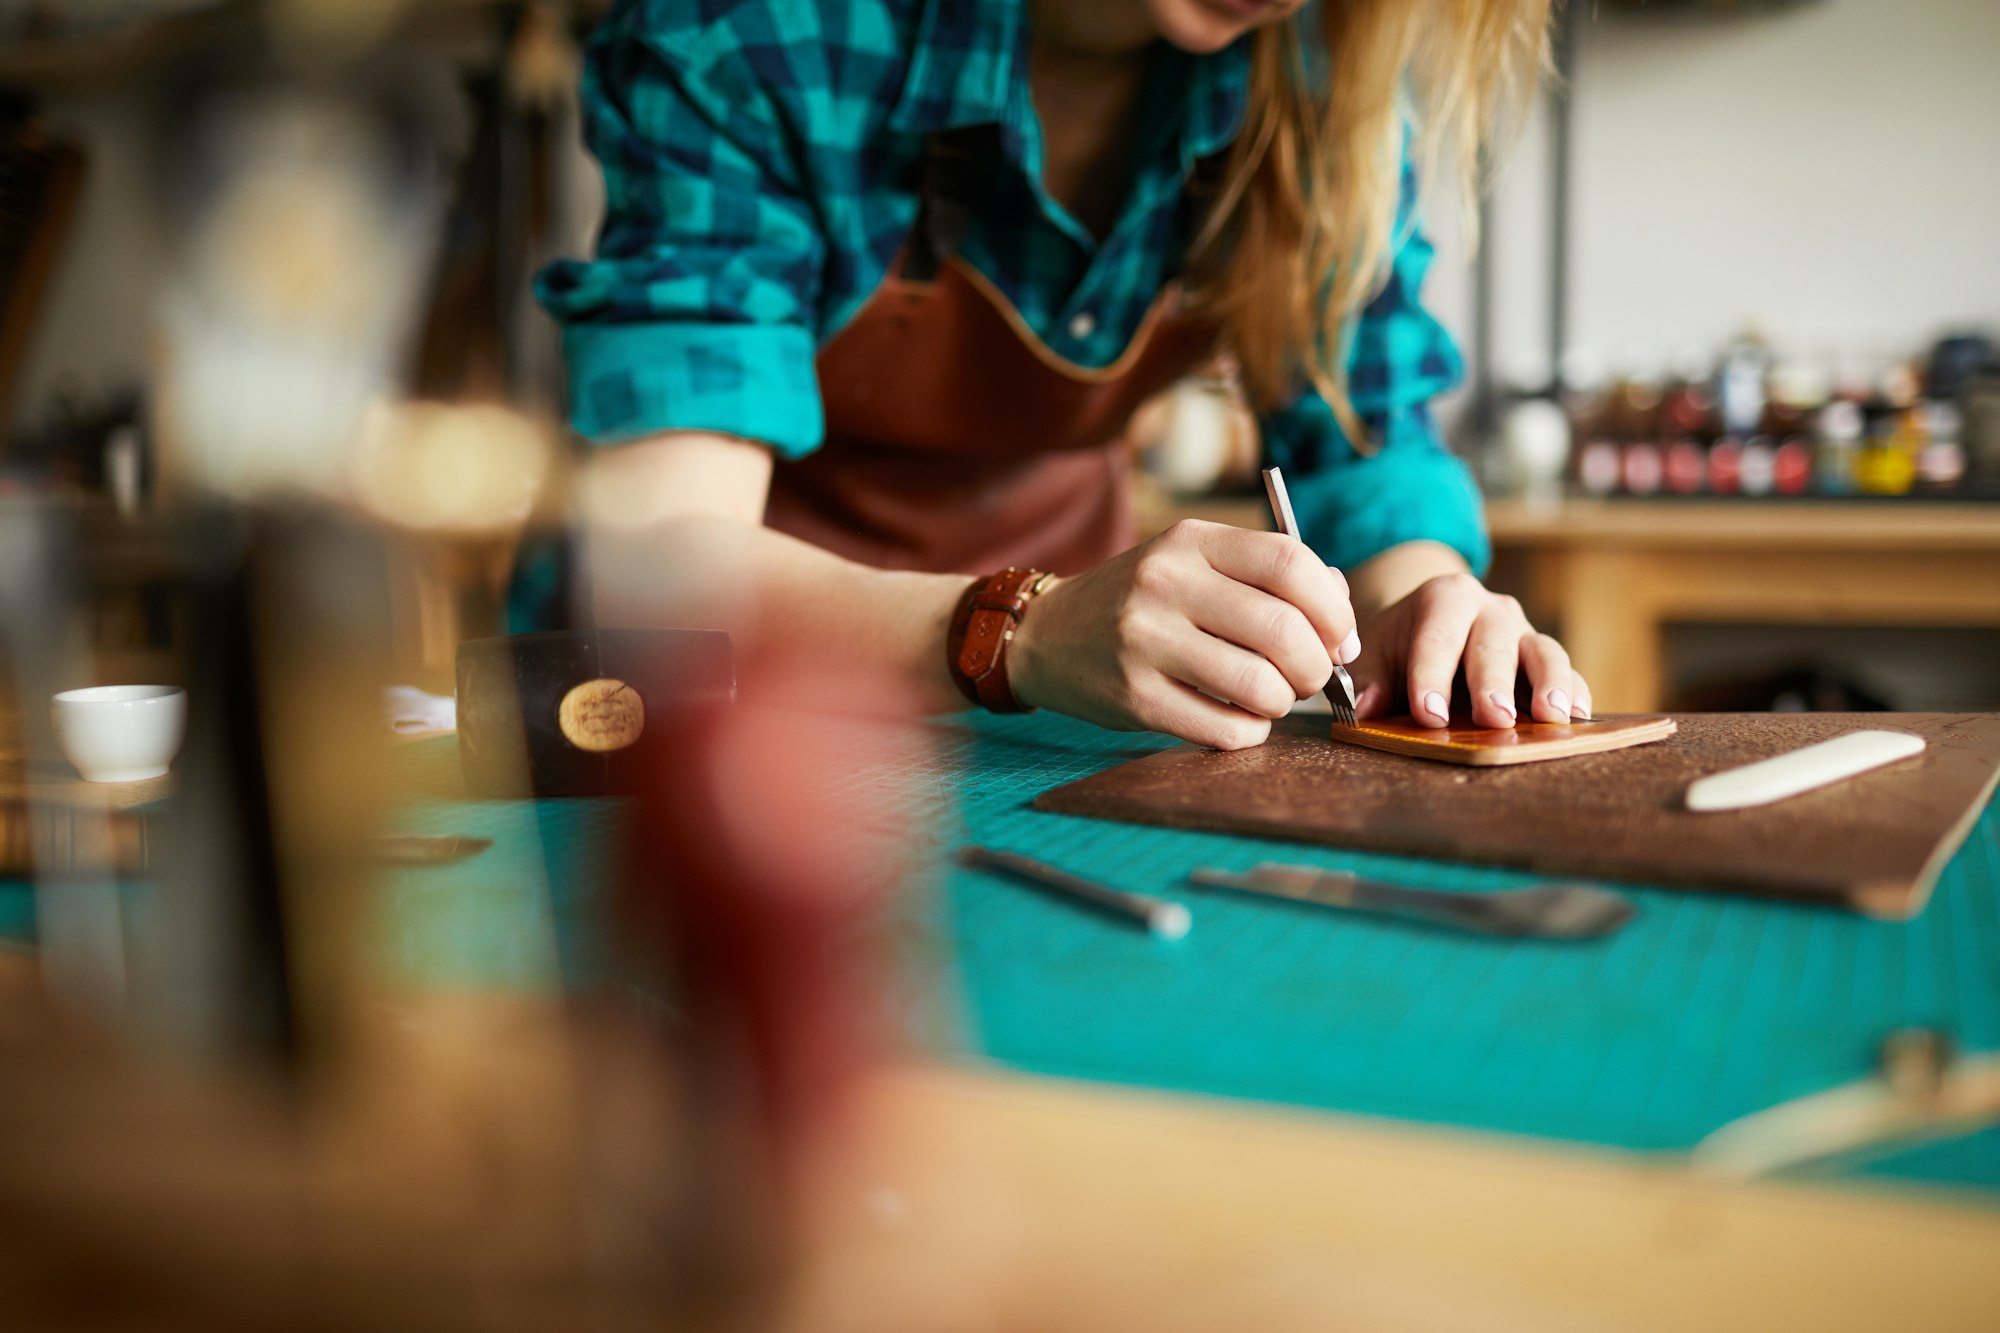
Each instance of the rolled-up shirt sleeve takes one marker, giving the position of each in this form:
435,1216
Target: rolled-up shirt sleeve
699,309
1353,505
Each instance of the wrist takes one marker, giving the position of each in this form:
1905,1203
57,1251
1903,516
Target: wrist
1385,579
1027,655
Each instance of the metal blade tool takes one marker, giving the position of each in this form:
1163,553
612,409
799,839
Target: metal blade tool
1546,911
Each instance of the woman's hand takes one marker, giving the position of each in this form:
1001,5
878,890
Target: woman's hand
1416,644
1206,632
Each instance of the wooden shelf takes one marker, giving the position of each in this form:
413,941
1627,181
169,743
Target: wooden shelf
1750,525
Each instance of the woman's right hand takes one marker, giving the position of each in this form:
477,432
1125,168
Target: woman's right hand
1206,632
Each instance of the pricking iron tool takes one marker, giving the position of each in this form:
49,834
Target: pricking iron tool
1546,911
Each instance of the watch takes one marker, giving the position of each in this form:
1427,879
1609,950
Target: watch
982,627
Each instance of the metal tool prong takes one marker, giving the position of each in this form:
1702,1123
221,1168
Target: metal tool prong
1340,694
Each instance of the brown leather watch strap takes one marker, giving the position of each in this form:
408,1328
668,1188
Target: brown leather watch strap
981,628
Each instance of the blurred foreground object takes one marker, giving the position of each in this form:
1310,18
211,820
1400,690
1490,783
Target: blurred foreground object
1922,1091
305,229
304,1133
457,484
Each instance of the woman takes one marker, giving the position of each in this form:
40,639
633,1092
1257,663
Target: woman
882,281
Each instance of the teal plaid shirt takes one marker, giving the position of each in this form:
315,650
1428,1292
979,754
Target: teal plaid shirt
761,159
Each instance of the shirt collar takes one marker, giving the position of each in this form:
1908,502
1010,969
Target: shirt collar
1218,98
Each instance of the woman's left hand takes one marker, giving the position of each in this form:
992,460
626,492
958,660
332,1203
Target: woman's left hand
1412,650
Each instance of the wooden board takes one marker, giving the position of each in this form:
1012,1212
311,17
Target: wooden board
1488,747
1874,844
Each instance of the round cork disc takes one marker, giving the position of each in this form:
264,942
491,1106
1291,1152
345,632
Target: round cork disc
602,715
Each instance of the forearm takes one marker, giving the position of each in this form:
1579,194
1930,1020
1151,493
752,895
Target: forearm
1388,578
779,598
675,539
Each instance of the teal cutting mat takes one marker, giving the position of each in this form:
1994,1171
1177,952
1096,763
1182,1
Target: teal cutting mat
1705,1009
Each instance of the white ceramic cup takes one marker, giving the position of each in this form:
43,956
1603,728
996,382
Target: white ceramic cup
121,733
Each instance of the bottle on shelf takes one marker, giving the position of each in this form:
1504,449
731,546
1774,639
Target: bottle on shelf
1725,466
1642,468
1632,421
1740,381
1799,389
1941,461
1588,406
1687,422
1792,466
1887,464
1837,451
1685,467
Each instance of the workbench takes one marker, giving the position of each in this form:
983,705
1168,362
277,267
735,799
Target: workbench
1293,1112
1482,1098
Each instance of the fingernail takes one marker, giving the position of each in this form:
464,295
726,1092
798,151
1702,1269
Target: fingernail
1503,703
1559,701
1434,705
1580,706
1350,648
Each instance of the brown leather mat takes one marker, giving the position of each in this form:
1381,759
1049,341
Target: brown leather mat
1874,843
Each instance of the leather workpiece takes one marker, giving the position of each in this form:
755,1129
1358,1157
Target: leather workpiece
1874,843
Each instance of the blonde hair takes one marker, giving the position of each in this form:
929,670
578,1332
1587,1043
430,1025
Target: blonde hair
1302,231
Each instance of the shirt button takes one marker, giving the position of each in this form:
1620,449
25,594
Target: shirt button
1083,325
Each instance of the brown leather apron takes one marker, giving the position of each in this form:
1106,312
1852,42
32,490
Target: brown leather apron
958,441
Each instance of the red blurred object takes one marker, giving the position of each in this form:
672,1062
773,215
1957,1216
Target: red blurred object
1686,467
1597,468
1793,467
1687,410
1725,466
756,859
1641,469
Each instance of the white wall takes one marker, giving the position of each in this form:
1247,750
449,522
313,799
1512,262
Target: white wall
1830,171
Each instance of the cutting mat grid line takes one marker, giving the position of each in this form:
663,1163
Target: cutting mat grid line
1705,1009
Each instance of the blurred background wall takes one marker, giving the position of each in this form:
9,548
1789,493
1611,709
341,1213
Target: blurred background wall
1827,169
